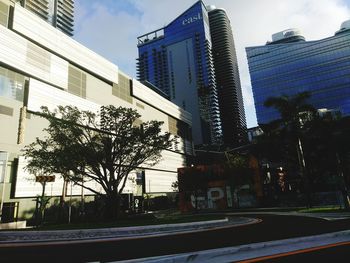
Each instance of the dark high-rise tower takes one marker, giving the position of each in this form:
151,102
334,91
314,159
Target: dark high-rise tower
227,78
178,59
59,13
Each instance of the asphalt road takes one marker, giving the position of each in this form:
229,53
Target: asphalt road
272,227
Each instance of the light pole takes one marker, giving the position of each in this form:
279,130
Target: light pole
3,172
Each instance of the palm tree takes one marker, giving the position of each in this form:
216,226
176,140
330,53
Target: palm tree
328,146
293,110
294,113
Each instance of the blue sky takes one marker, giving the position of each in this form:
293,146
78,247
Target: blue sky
110,27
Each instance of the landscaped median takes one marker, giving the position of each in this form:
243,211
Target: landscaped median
137,220
323,209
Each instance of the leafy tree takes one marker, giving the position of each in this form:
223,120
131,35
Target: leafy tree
237,161
193,181
104,147
240,173
295,112
327,146
175,186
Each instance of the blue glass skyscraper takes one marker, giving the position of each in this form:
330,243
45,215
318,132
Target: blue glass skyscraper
193,62
289,65
177,59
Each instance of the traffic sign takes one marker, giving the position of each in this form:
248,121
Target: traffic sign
44,178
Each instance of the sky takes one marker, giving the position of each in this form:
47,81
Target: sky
111,27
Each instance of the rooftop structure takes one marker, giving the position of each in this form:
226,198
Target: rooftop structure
289,65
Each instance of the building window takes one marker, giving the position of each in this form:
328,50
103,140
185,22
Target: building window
140,105
172,125
6,110
4,14
38,57
76,82
122,89
179,128
11,84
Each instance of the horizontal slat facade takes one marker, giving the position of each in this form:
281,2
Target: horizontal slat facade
32,27
42,94
16,52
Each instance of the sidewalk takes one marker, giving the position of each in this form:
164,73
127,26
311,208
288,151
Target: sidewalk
250,251
322,215
30,236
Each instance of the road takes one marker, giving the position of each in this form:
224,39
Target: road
272,227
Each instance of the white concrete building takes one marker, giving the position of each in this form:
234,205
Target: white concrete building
41,66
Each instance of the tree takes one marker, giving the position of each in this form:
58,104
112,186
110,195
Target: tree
327,147
104,147
291,107
294,112
193,183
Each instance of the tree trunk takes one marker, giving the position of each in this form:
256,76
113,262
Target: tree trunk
112,206
61,212
342,186
304,175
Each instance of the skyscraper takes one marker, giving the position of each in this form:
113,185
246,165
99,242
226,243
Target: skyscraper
178,59
59,13
227,78
288,65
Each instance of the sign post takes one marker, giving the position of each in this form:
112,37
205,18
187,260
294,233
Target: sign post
43,179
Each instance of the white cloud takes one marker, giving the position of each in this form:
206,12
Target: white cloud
110,35
113,34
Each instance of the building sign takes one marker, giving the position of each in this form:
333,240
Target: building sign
214,198
219,187
191,19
